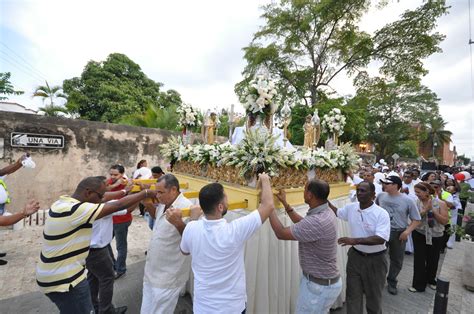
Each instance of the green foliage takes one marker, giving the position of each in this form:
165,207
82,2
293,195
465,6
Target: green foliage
434,132
154,117
408,148
395,111
354,130
51,94
305,44
465,160
110,90
6,88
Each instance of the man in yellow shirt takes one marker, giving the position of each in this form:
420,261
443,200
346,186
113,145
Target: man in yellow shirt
60,272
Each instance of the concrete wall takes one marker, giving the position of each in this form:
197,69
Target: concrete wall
90,149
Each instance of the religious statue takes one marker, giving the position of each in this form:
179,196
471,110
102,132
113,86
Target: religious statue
209,128
308,128
316,128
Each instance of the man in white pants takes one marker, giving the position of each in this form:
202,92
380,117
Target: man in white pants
166,269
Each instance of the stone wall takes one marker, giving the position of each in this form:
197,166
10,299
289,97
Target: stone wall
90,148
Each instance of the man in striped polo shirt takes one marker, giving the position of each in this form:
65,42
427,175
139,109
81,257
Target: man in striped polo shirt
317,236
60,272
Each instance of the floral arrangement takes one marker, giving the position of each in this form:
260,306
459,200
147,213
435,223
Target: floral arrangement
258,99
334,122
188,116
258,152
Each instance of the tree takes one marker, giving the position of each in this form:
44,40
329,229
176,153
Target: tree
6,88
305,44
110,90
464,160
434,134
154,117
394,111
45,92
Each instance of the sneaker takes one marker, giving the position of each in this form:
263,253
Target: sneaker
118,275
3,262
432,287
392,290
121,310
412,289
3,254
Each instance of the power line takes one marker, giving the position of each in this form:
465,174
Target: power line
22,66
470,49
25,61
19,68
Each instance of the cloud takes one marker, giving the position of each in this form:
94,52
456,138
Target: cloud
195,47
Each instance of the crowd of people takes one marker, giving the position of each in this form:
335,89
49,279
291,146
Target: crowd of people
393,212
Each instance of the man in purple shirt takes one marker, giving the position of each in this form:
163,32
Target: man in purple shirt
317,236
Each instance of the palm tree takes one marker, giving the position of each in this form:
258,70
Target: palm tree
154,117
51,93
435,135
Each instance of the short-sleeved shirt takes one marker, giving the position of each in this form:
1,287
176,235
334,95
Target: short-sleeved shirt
372,221
317,242
66,240
217,251
166,267
400,207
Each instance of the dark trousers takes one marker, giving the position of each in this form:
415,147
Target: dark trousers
76,301
120,233
365,275
101,279
396,253
425,260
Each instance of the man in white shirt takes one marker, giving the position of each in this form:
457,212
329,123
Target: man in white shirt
217,249
367,264
99,263
166,269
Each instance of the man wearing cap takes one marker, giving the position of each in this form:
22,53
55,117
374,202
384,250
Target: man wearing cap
400,208
366,268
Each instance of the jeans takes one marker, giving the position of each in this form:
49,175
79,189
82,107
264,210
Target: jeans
76,301
100,276
396,253
150,220
120,233
315,298
2,209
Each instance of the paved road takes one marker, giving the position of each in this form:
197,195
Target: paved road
19,293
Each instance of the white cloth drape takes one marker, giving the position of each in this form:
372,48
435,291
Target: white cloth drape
272,266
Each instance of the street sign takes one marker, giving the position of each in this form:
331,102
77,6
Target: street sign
395,156
31,140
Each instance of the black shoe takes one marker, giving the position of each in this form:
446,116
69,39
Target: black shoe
121,309
392,290
118,275
3,254
3,262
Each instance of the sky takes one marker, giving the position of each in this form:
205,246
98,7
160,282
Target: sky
195,47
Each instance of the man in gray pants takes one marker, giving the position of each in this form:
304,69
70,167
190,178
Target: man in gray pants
367,262
400,207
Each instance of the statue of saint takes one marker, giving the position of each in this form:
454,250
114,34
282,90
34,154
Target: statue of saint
308,128
317,128
209,128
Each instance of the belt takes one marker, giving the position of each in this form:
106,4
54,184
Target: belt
97,248
369,254
320,281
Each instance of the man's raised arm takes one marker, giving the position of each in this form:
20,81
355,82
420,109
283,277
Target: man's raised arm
266,205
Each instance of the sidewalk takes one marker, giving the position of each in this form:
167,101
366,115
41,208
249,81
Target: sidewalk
19,292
